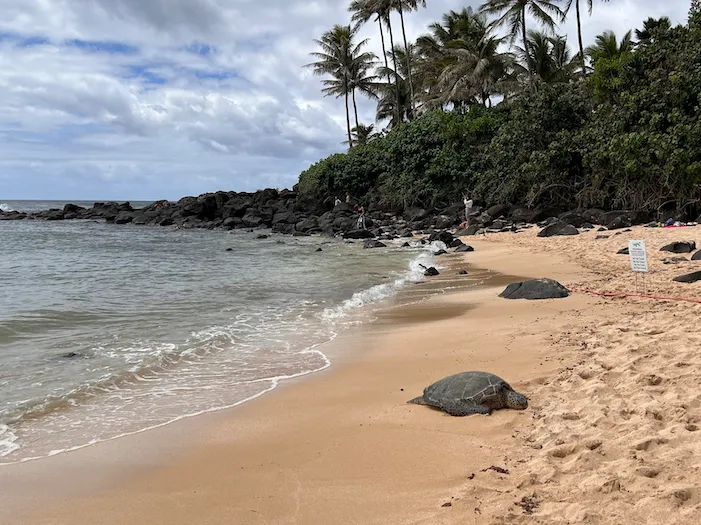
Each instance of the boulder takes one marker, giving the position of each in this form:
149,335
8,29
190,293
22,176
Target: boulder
440,252
623,251
373,243
535,289
696,256
358,234
679,247
688,277
462,272
594,216
472,229
497,210
574,218
558,228
415,214
123,217
72,208
443,236
455,243
464,248
406,245
444,221
431,272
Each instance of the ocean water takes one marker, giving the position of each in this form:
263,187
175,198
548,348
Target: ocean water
108,330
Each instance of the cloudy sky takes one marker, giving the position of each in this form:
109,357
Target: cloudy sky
147,99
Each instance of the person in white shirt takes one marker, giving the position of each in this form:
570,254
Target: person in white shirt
468,208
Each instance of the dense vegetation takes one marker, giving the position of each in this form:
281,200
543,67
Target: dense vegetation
619,129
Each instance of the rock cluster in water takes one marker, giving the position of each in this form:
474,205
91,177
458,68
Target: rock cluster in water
285,212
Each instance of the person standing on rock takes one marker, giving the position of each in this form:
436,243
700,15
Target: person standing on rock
361,217
468,209
348,197
336,202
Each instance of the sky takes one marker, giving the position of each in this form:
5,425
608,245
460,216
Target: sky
151,99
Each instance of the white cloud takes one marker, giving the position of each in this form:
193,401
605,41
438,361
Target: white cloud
185,96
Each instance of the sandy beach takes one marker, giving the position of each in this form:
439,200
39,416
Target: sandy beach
610,436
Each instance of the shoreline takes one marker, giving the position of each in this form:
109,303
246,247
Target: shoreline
197,429
609,436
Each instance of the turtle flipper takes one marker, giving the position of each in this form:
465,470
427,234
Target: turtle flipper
465,409
418,401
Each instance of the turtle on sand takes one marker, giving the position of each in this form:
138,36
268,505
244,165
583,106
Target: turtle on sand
471,393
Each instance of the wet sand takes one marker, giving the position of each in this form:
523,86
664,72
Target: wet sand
610,435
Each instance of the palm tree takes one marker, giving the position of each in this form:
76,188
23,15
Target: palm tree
607,46
550,58
590,5
345,62
460,62
394,96
513,13
364,10
363,134
651,26
362,79
401,6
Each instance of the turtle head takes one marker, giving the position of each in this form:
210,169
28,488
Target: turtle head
516,400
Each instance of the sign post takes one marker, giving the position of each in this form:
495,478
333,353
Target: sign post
638,261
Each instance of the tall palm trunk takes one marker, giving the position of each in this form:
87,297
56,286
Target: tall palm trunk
355,109
396,72
408,59
382,37
525,41
579,35
348,126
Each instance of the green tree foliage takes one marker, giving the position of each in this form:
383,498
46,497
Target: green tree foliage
628,136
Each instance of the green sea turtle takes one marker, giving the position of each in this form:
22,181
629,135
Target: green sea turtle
471,393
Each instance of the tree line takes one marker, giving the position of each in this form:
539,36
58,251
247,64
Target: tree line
616,125
460,62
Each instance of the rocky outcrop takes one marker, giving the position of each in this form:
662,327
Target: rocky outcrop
688,277
679,247
535,289
558,228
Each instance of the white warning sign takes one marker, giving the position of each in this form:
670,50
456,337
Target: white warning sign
638,256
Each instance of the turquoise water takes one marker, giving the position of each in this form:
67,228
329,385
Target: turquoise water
107,330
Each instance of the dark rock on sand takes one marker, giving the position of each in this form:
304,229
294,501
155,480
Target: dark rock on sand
440,252
261,236
472,229
431,272
464,248
679,247
406,245
558,228
688,278
535,289
462,272
456,242
696,256
443,236
372,243
229,249
319,250
601,237
623,251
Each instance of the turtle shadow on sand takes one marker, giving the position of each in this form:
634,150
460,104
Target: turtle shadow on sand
471,393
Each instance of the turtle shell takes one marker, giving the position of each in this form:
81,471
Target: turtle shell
480,388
